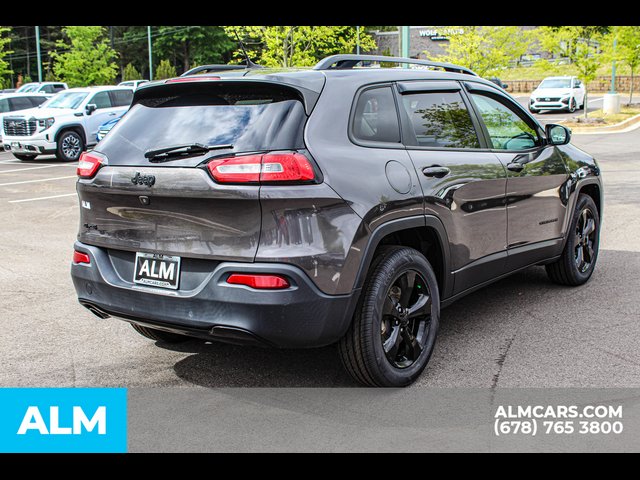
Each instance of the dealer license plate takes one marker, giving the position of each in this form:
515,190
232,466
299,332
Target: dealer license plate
157,270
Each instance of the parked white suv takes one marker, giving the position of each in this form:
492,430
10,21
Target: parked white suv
66,124
14,102
558,93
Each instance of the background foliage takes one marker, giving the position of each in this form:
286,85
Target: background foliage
107,54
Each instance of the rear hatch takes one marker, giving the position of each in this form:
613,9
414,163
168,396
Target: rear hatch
180,174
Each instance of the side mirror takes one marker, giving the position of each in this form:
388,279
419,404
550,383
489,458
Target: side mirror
558,134
91,108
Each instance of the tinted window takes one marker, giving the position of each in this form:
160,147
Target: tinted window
376,118
4,106
20,103
250,121
441,120
507,130
37,100
121,98
101,100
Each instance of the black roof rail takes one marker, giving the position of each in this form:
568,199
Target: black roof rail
217,68
342,62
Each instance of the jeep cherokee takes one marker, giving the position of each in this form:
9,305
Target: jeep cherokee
299,208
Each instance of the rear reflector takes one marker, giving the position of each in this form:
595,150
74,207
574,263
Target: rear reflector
285,167
89,164
259,282
79,257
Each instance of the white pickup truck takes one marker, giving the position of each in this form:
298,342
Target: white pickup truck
66,124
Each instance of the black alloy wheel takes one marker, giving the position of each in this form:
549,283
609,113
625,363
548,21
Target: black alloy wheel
578,260
406,319
585,240
392,336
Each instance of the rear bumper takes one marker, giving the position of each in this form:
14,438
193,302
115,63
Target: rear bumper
297,317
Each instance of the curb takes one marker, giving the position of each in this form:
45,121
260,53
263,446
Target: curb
626,126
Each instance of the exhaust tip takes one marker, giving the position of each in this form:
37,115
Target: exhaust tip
95,310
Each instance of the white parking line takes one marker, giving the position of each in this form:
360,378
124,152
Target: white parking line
35,181
38,168
42,198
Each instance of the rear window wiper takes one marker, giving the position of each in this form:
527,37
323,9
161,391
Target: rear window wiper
176,152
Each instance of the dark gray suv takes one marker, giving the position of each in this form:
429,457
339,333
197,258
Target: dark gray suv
301,208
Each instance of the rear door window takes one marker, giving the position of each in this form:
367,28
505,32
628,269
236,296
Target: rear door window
121,98
440,120
20,103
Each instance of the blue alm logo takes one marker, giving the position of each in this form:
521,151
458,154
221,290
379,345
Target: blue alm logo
60,420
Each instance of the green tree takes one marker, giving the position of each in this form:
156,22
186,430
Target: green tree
193,45
4,66
626,49
165,70
130,73
579,44
89,59
485,50
298,46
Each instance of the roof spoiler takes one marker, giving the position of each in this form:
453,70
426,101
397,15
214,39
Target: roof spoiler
345,62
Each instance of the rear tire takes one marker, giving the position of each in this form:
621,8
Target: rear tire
159,335
393,332
578,260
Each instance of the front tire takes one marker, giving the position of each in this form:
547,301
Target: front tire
393,332
578,260
70,147
24,158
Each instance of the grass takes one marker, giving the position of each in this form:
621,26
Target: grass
539,72
606,119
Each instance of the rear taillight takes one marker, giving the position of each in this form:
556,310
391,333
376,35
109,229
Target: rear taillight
79,257
259,282
280,167
89,164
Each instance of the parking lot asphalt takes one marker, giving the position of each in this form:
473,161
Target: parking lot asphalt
520,332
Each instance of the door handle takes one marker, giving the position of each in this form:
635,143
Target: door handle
436,171
515,167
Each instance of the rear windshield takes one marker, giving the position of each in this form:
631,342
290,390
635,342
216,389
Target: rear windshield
245,117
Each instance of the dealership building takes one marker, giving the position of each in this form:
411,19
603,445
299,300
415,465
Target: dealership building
422,39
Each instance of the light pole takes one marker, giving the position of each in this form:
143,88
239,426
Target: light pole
405,44
150,57
38,50
611,103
